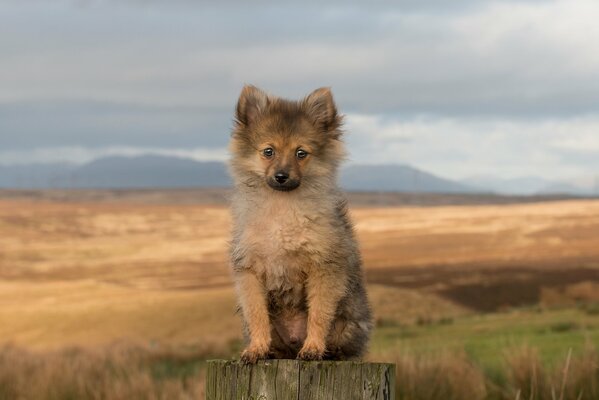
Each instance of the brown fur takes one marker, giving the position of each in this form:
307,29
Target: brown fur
295,260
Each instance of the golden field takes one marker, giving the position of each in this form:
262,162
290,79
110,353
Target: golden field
91,273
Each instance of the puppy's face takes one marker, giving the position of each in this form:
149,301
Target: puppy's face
283,158
283,145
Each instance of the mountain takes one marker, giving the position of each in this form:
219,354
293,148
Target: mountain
36,175
398,178
580,186
588,183
154,171
117,172
150,171
515,186
565,188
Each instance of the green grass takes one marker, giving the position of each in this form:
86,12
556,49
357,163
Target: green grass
482,357
485,338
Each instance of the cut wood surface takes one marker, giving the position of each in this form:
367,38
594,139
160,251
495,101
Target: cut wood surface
306,380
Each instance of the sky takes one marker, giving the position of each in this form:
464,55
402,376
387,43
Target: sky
459,88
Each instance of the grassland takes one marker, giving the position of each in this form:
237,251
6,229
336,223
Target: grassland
123,279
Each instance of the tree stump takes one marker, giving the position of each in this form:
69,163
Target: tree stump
304,380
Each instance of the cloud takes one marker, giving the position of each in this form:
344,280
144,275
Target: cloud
585,141
499,58
104,124
80,155
450,147
455,87
465,147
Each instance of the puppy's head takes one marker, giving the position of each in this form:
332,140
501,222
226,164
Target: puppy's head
283,145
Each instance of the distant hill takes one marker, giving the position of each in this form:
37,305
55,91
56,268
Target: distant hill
150,171
514,186
155,171
565,188
581,186
40,176
398,178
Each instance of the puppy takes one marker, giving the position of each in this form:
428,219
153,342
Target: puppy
295,260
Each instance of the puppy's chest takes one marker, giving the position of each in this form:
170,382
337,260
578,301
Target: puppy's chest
293,234
286,233
284,243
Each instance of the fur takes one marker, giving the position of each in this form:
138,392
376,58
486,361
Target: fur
295,260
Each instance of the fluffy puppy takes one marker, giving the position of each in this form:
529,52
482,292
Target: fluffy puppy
294,256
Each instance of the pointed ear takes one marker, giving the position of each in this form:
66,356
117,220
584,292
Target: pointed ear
252,102
320,106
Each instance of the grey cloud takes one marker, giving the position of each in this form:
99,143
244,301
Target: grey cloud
35,125
414,62
464,147
152,74
394,4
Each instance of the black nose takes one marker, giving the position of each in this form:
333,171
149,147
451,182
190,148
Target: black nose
281,177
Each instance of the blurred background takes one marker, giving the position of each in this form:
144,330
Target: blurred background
473,178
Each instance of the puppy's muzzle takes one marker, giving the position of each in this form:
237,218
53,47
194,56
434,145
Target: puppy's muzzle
283,182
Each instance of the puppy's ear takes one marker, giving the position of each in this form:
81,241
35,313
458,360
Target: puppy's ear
252,102
320,106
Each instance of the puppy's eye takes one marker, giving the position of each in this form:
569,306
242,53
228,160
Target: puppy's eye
268,152
301,153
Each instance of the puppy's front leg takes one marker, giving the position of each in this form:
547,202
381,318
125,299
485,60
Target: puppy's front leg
325,286
255,313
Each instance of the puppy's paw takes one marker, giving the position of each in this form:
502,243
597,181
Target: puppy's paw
254,353
311,353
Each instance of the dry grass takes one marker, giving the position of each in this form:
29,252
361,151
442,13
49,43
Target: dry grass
87,274
87,313
132,372
575,378
507,235
118,372
77,273
454,376
155,246
447,376
401,306
90,273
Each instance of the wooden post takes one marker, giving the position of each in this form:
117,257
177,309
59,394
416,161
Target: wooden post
304,380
